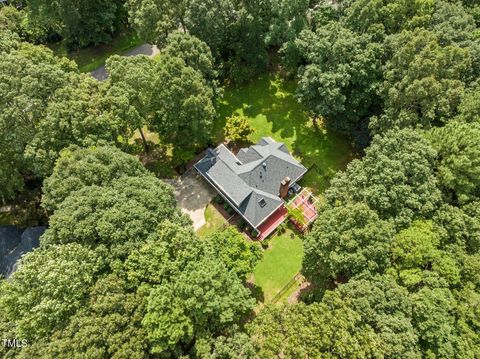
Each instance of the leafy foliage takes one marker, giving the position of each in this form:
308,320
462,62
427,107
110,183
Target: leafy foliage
424,81
458,146
78,168
116,216
183,106
238,128
346,241
80,23
341,75
233,249
395,178
29,76
204,300
49,286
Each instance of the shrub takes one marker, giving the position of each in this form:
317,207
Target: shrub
218,199
241,224
254,233
265,244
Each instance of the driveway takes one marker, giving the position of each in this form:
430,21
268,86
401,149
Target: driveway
192,194
145,49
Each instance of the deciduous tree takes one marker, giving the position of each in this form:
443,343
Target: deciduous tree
347,241
458,146
29,76
395,178
203,301
424,81
49,286
117,216
231,247
83,167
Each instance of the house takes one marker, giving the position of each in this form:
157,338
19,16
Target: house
14,243
255,182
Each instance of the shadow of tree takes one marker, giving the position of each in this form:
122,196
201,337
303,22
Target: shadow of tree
270,104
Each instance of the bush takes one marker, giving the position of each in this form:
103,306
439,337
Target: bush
226,206
282,228
241,224
254,233
218,199
265,244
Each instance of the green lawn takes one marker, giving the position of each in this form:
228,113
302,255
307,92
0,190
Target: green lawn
280,263
273,111
91,58
214,222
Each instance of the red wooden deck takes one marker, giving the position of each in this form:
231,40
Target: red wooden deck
267,227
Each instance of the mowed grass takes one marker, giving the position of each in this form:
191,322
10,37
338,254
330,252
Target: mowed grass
273,110
280,263
91,58
214,222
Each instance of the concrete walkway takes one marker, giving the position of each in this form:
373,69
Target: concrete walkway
193,195
145,49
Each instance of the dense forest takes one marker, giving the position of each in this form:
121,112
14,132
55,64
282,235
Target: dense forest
393,260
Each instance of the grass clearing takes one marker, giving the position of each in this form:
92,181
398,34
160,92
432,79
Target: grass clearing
273,110
214,221
91,58
279,264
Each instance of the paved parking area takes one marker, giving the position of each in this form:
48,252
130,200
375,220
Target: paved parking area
192,194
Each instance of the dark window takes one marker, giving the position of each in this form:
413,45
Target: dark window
262,203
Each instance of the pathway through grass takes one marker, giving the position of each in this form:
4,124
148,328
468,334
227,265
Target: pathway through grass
273,111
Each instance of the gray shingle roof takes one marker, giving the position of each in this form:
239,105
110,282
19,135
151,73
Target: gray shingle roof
14,243
251,180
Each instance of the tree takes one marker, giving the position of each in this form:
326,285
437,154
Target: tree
414,250
154,20
82,167
458,146
341,76
130,79
80,114
49,286
313,331
118,216
80,23
212,21
8,41
164,255
232,29
194,52
231,247
434,321
453,25
11,19
424,81
387,308
347,241
391,15
395,178
184,111
287,19
469,108
204,300
237,128
459,227
108,325
29,76
237,346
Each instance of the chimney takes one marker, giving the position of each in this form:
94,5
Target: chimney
284,186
